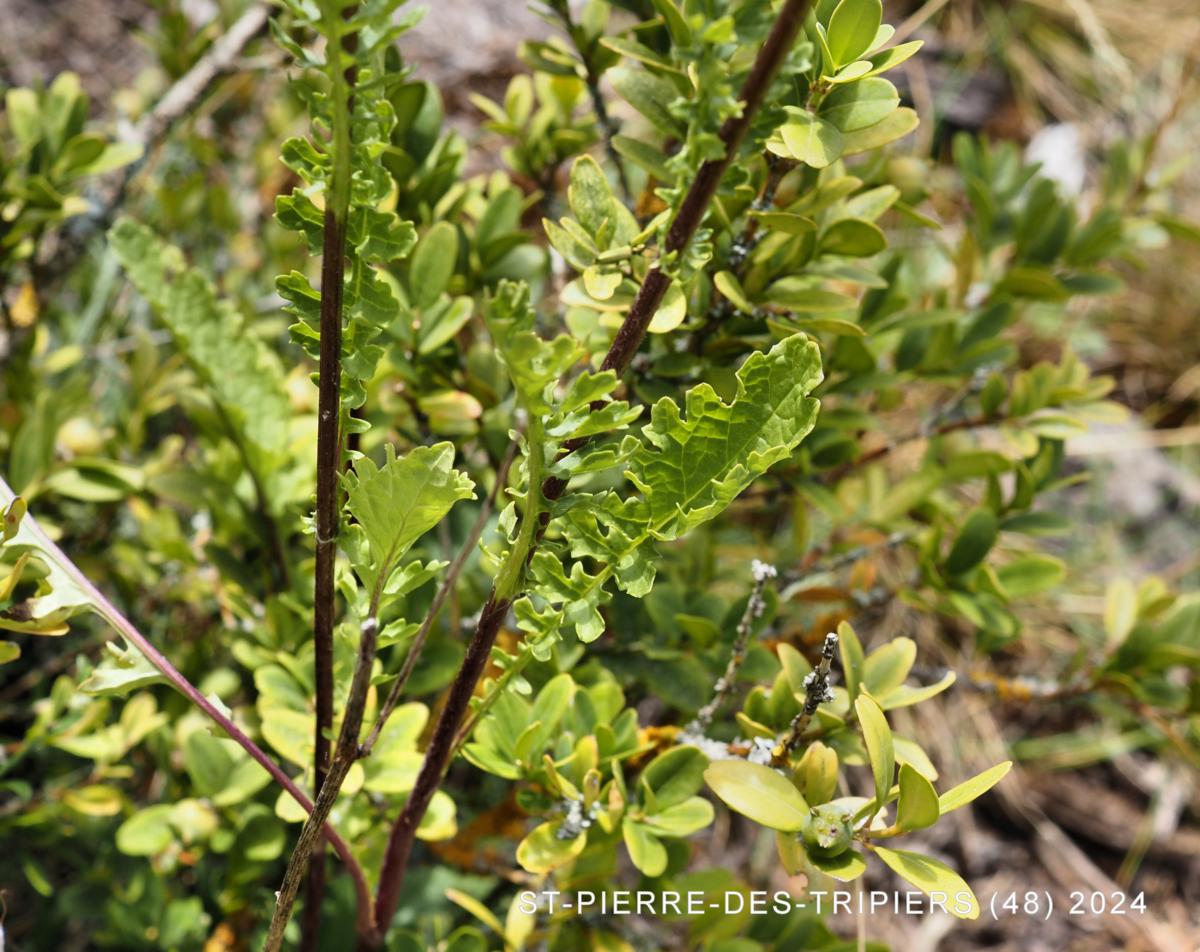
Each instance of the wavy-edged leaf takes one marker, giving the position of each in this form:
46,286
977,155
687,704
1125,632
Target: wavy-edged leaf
533,364
694,466
123,669
243,376
398,502
58,596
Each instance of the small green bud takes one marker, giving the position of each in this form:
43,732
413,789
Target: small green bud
829,831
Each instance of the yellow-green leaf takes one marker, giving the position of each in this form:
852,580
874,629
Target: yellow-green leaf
601,284
811,140
859,105
844,867
542,850
918,805
645,849
786,222
681,819
757,791
852,29
798,294
829,325
853,238
147,832
819,771
1120,611
896,125
882,61
974,788
878,737
727,283
851,651
671,313
931,876
675,775
475,908
433,264
398,502
904,696
887,667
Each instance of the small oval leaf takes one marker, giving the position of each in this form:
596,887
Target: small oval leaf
880,750
757,791
918,806
931,876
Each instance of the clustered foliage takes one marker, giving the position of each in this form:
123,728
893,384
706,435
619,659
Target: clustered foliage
541,556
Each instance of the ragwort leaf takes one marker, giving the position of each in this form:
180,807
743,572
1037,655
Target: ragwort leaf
398,502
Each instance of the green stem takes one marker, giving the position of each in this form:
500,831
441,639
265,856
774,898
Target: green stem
512,572
443,741
687,220
493,694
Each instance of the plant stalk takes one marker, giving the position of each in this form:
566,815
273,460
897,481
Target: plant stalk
347,753
628,339
817,691
443,592
755,606
695,203
110,613
442,742
329,425
591,79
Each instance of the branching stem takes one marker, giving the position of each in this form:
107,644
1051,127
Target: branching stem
695,203
724,686
443,592
817,691
445,732
109,612
626,343
347,752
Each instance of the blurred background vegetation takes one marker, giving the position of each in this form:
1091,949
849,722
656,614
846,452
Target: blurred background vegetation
88,385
